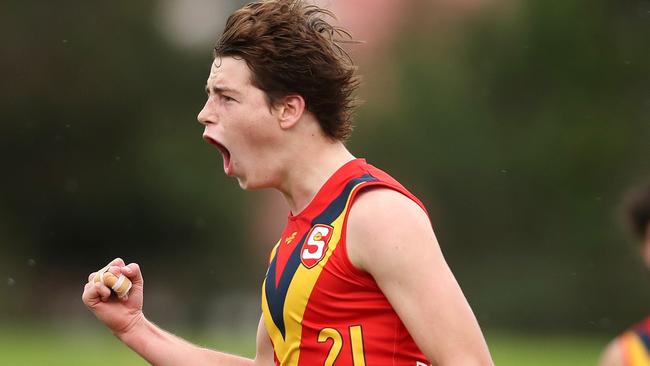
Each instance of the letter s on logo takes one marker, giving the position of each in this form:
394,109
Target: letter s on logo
314,248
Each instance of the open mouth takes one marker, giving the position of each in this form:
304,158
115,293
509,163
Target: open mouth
223,150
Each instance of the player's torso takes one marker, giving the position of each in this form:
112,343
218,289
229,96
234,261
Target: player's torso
635,345
320,310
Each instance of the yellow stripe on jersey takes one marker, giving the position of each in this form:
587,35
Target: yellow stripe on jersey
634,351
274,250
287,348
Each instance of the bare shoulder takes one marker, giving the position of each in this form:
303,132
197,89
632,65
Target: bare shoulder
612,356
384,200
382,220
390,237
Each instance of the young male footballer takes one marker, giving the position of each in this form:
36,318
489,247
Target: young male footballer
357,277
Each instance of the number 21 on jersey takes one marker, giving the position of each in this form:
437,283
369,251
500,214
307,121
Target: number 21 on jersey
356,342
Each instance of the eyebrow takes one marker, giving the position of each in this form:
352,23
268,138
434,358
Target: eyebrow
219,89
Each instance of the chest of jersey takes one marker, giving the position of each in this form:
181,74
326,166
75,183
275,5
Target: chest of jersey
635,345
295,276
317,309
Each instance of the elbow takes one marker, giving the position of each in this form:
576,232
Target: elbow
467,360
477,362
470,362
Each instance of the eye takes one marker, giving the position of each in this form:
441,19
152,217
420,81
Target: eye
226,98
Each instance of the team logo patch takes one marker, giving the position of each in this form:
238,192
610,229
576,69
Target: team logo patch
313,251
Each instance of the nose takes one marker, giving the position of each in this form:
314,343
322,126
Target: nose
204,117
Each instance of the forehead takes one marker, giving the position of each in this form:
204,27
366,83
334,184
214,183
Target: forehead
229,71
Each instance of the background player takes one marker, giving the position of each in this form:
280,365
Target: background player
632,348
278,109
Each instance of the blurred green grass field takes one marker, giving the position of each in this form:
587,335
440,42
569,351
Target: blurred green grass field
72,347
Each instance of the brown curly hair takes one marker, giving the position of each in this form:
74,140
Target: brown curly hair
291,48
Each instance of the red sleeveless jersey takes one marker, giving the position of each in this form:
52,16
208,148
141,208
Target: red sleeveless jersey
318,308
635,344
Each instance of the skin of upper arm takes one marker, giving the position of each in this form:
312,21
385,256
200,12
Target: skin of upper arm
264,348
390,237
612,356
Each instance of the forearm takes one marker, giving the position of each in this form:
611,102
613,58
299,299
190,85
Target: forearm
161,348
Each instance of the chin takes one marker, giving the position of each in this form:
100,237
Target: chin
246,184
243,185
253,185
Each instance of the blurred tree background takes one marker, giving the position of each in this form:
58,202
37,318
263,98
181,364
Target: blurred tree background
520,124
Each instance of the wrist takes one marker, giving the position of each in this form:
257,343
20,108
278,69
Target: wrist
133,329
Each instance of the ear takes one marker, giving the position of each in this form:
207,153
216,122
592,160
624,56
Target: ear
289,110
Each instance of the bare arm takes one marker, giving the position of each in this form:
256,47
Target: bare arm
390,237
162,348
158,347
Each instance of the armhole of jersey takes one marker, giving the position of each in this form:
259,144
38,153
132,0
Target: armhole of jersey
363,275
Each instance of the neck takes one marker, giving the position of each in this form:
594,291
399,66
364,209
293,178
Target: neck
313,167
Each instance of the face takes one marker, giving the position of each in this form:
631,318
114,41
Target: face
240,124
645,246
